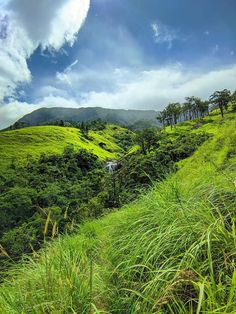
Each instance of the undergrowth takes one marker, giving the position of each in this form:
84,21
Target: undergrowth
171,251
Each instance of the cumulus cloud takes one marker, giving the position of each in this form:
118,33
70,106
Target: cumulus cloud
14,110
149,89
156,88
79,81
11,112
26,25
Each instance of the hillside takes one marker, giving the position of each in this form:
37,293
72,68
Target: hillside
171,251
18,144
118,116
210,124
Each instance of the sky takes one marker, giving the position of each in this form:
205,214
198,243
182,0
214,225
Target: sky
131,54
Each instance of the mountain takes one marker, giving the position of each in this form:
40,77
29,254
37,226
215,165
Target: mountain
118,116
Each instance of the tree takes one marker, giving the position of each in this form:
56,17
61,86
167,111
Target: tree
234,95
203,107
61,123
185,111
221,99
233,100
195,107
173,113
147,138
84,127
162,117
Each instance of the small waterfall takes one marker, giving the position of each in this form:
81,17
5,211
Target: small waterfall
111,166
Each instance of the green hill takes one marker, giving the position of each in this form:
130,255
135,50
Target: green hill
171,251
18,144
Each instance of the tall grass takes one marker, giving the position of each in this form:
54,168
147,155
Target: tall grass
172,251
174,256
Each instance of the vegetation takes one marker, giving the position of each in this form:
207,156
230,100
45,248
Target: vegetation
221,99
48,197
194,108
18,145
171,251
122,117
45,198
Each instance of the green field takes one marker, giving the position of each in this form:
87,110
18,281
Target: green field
18,144
171,251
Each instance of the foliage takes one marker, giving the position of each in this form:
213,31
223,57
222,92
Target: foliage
233,101
172,251
193,108
156,159
50,196
47,197
19,145
147,139
221,99
234,105
124,139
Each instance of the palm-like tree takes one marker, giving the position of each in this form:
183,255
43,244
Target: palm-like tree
173,113
162,117
221,99
203,108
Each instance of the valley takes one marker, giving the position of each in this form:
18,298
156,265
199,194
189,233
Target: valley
140,236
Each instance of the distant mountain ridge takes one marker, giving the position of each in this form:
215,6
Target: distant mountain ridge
119,116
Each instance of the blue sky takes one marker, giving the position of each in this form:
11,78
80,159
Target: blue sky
113,53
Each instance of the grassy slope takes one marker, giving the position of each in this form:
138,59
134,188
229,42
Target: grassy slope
172,251
210,124
52,139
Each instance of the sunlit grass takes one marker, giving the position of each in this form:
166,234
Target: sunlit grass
18,144
209,124
171,251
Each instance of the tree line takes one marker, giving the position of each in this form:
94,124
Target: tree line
196,108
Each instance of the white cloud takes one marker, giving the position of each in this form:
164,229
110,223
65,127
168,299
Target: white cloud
155,29
64,77
150,89
155,89
26,25
14,110
77,81
51,91
11,112
164,34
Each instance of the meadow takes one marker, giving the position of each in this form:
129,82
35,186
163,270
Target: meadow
18,145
